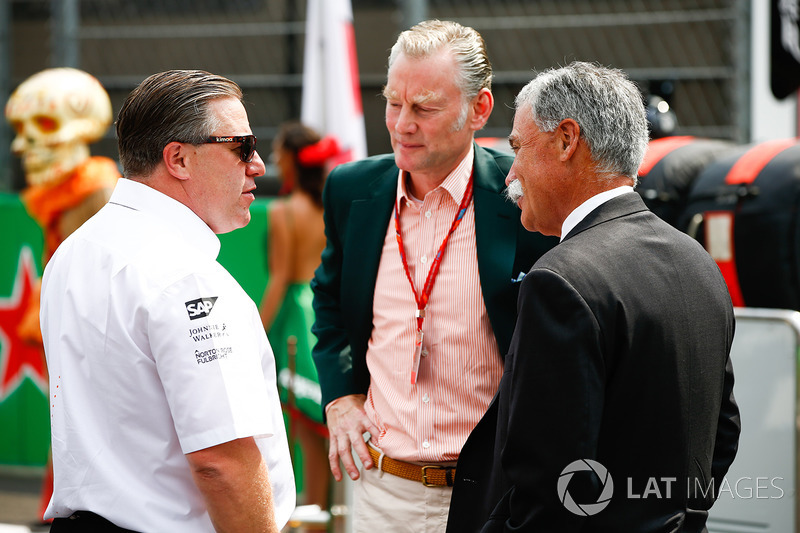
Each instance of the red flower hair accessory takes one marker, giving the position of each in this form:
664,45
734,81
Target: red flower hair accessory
315,155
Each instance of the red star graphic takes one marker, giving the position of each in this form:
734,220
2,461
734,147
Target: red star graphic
18,358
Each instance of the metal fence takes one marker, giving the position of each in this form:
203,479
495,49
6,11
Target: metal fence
694,53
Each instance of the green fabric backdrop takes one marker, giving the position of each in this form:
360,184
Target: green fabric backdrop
24,414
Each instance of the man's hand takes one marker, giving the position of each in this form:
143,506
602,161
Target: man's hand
347,423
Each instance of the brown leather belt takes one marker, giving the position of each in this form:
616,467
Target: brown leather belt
428,475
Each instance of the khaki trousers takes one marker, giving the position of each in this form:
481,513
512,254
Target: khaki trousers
385,503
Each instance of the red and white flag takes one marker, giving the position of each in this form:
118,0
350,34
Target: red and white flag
331,89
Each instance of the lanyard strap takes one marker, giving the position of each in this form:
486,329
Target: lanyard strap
422,298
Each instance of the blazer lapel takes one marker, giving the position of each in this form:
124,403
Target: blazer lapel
495,238
366,230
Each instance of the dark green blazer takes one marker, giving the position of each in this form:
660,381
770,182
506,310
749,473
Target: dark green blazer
358,200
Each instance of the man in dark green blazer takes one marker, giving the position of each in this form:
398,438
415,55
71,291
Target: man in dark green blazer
436,99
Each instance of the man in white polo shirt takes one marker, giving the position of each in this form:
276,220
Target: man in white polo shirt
164,407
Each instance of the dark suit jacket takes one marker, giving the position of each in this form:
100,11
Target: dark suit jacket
358,200
621,356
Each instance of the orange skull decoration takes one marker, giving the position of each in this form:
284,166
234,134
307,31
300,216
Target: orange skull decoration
56,114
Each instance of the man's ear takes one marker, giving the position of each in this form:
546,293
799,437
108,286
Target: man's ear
568,134
482,106
175,159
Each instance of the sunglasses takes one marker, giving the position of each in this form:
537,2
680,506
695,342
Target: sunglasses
246,151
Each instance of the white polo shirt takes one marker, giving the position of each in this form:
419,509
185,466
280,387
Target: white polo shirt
154,351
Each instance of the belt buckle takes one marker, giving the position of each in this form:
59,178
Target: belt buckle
425,474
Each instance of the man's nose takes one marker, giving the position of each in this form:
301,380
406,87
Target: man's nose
512,175
405,120
256,166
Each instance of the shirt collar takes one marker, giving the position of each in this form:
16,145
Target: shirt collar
455,184
174,215
590,205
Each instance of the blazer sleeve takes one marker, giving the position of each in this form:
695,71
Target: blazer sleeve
332,355
728,430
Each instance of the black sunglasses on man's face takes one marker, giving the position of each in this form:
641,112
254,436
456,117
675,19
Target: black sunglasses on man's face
246,151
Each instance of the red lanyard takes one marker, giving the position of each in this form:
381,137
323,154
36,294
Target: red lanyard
422,298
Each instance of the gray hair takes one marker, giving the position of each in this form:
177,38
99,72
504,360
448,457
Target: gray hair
466,45
607,106
166,107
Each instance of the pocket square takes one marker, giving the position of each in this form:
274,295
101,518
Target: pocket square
519,277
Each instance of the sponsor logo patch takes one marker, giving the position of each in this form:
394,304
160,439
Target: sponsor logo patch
207,356
200,307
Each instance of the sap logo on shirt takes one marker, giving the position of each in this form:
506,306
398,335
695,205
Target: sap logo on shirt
200,307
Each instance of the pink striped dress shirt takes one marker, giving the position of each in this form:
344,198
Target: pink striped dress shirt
461,366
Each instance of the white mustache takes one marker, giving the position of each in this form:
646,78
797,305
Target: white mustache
513,192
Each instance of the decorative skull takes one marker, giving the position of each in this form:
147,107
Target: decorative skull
56,114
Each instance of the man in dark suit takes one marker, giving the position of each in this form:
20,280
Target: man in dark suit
615,412
416,293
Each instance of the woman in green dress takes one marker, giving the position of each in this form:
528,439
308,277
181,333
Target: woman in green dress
295,241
